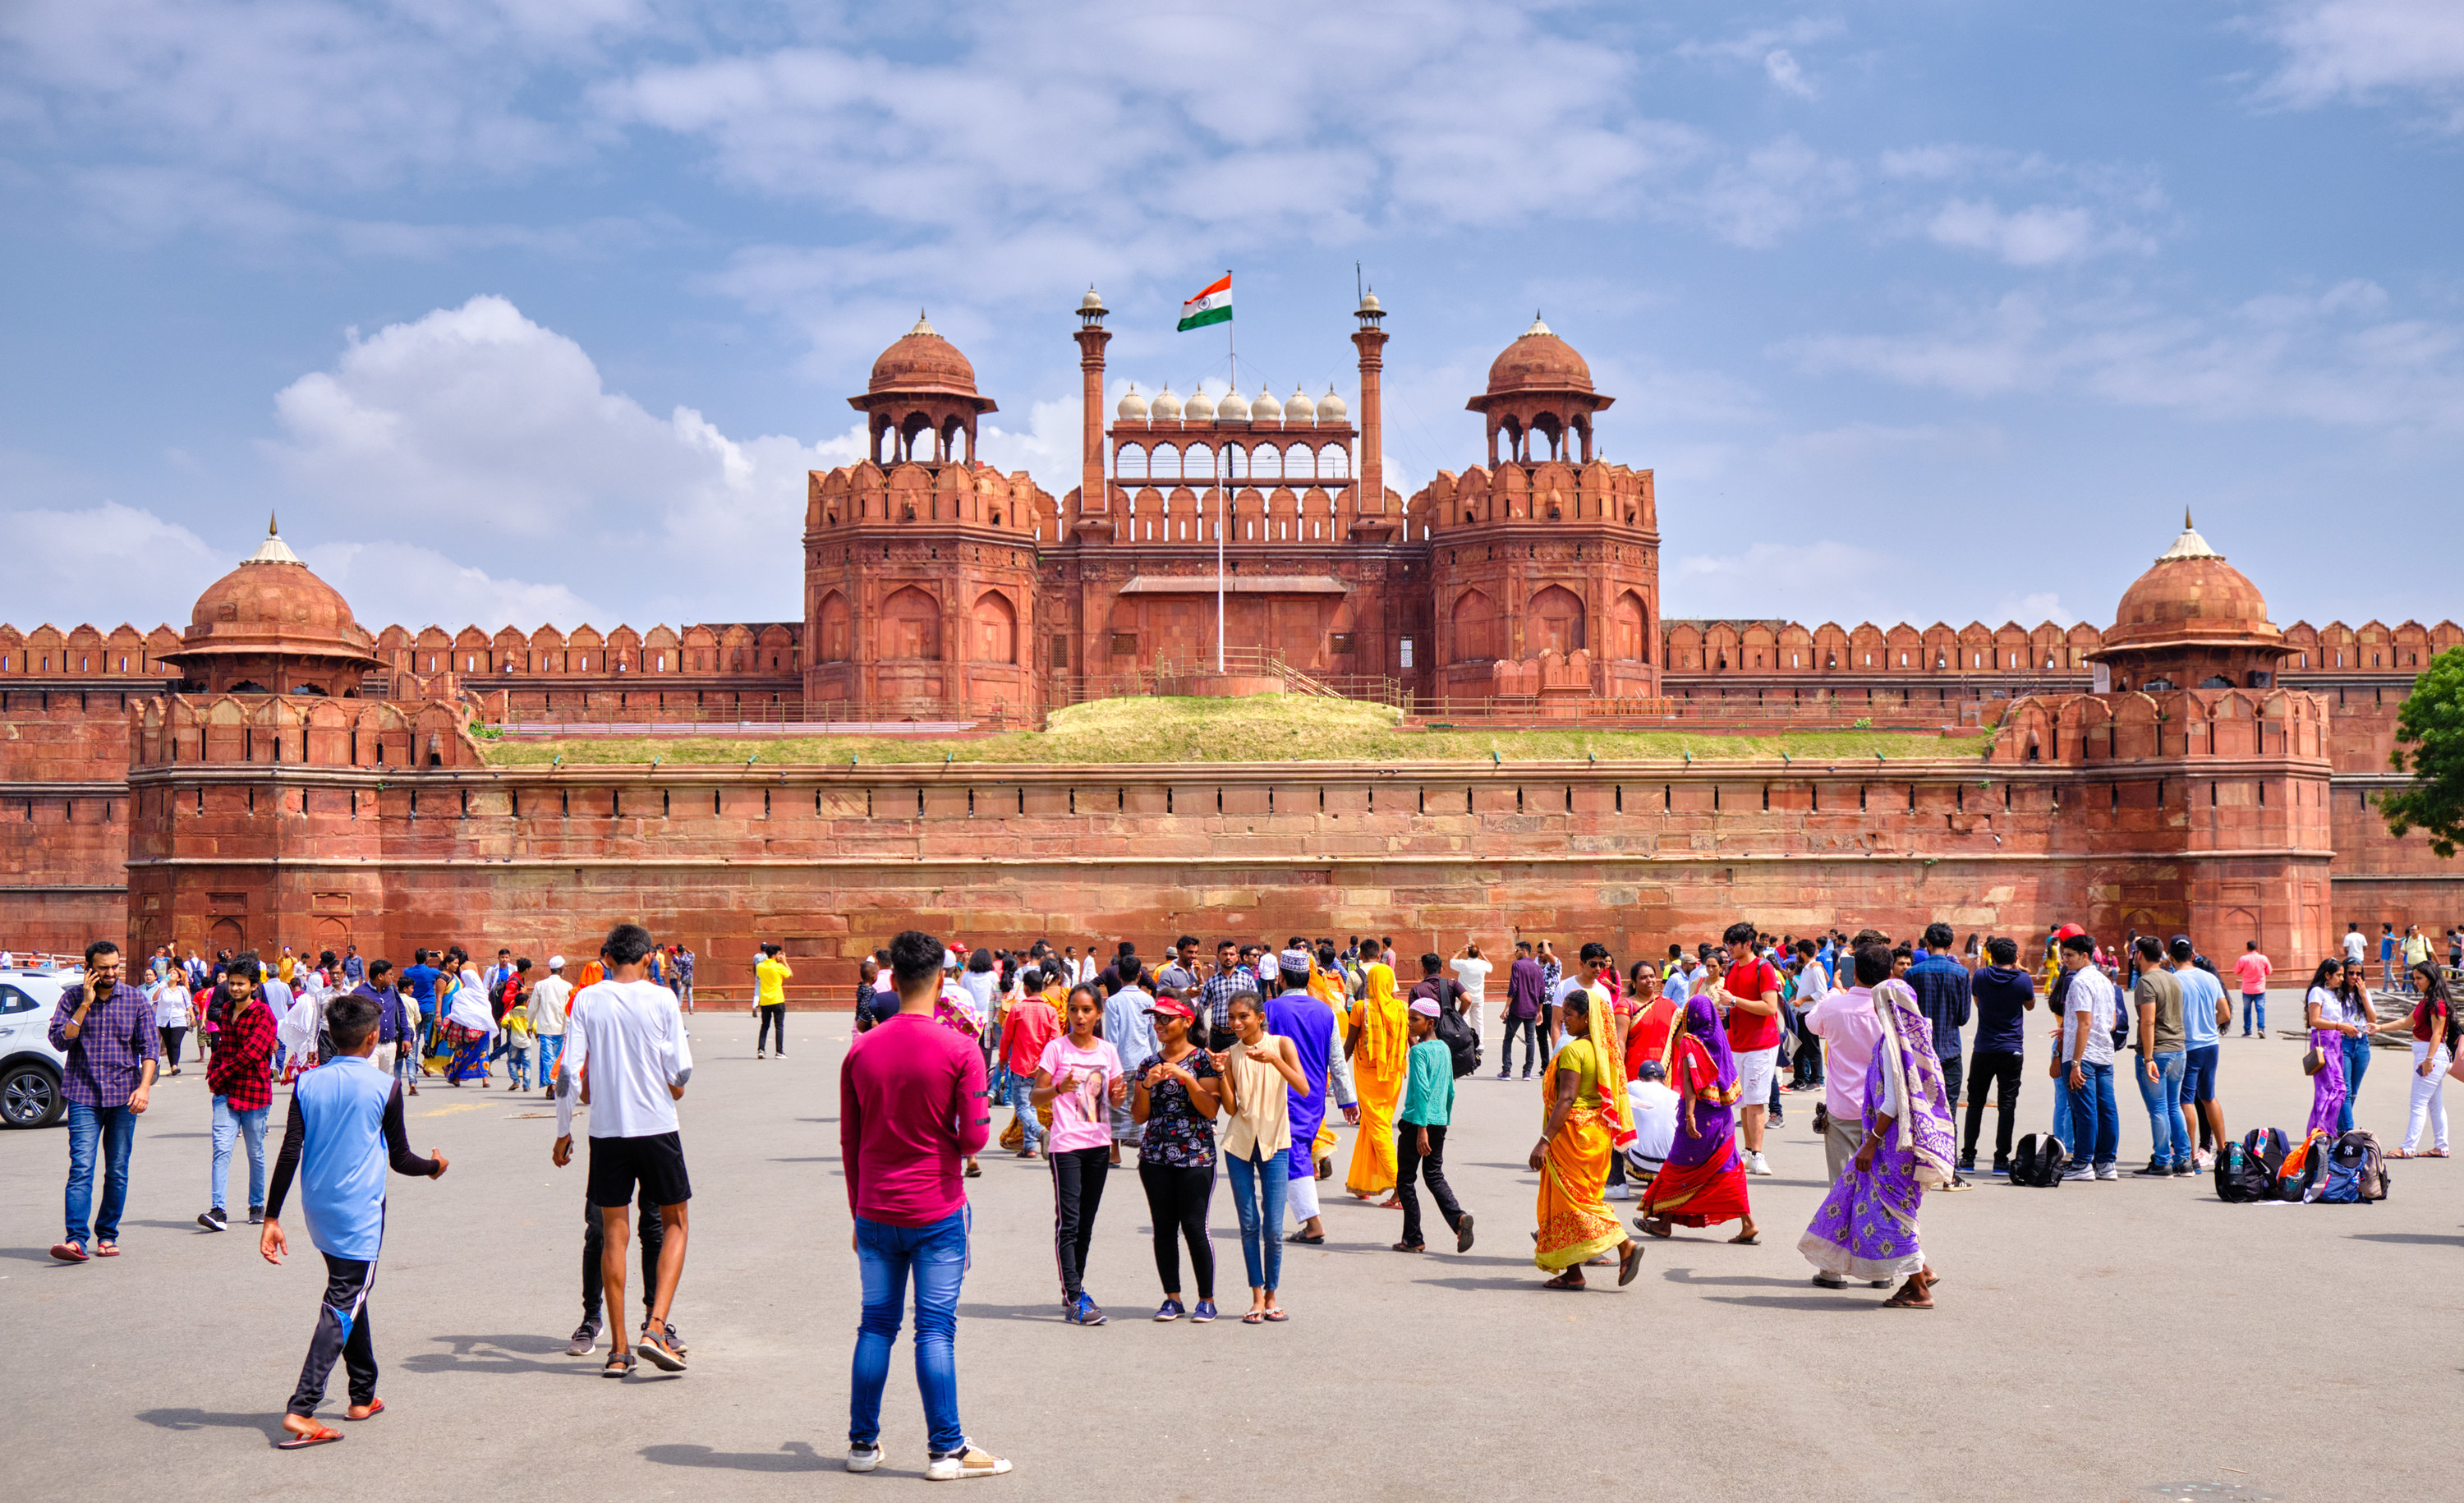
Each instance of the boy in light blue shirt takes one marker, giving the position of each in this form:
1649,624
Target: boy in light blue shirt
346,1125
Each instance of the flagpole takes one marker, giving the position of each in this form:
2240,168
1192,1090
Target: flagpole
1223,491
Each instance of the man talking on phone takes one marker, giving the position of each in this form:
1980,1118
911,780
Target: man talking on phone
106,1029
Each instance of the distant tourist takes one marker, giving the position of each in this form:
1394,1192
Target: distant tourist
2253,969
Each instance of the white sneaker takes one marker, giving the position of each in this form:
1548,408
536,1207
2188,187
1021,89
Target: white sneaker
2108,1171
863,1458
2083,1172
972,1462
1756,1163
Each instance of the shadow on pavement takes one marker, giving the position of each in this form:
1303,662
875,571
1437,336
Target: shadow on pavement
1045,1310
269,1425
500,1355
2426,1238
1532,1282
33,1255
791,1456
1804,1302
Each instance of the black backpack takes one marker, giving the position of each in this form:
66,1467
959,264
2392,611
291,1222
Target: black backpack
2243,1172
1454,1031
2040,1161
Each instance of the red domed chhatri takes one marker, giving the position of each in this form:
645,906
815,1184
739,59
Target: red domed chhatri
272,626
2192,621
1538,361
922,385
1538,385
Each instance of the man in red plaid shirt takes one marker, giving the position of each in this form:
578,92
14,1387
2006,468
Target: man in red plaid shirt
241,1077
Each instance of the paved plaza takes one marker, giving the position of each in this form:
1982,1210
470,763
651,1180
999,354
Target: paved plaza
2111,1340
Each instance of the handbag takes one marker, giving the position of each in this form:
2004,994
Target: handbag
2313,1061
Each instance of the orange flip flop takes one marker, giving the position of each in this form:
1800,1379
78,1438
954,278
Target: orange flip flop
320,1435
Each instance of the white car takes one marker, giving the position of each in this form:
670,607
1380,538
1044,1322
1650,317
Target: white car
30,1067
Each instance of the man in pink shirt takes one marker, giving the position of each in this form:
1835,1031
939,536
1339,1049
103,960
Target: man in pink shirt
2253,970
911,1110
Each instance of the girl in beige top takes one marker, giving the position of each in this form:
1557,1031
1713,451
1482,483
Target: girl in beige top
1258,1071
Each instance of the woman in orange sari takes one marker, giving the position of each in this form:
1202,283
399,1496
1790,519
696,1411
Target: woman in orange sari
1589,1117
1376,1043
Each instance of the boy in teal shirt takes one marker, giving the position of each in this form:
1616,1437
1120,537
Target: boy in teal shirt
1428,1106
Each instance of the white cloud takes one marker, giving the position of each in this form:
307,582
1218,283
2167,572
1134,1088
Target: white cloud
1772,190
2334,357
2366,51
476,423
1781,67
404,583
101,566
2041,234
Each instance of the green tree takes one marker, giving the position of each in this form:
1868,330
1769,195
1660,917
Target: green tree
2429,744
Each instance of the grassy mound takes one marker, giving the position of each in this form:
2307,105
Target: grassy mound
1257,728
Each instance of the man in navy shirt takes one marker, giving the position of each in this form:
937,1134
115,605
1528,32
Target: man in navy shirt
2005,994
420,980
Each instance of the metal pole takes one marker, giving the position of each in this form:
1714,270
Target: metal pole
1222,509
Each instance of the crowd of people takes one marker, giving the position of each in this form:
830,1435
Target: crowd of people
1656,1084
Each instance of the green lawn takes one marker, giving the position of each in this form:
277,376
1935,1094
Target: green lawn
1260,728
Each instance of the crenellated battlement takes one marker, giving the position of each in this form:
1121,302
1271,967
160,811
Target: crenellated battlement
176,731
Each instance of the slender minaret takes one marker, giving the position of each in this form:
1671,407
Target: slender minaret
1093,495
1371,341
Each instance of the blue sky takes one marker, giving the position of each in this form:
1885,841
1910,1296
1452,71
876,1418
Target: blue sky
537,310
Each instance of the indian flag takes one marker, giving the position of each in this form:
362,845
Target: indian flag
1214,305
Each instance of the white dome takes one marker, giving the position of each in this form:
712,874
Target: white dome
1234,407
1331,408
1199,407
1133,407
1298,408
1166,407
1265,408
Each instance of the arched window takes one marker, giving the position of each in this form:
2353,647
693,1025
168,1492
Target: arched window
910,625
1557,621
833,621
996,629
1627,618
1475,627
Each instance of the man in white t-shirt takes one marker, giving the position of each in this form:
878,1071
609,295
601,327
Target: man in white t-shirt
2087,1054
548,1001
2356,945
627,1057
1472,971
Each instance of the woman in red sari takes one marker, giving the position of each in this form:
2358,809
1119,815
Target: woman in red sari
1703,1182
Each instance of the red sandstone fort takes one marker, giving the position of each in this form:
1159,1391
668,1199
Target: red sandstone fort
277,774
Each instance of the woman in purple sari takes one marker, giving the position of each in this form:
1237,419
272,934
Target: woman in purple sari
1866,1227
1703,1182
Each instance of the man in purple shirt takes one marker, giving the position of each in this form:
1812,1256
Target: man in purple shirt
1527,993
105,1027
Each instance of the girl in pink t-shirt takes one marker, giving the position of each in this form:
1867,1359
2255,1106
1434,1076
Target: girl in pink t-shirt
1079,1076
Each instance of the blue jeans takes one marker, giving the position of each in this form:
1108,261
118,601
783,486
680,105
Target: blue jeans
1261,1226
2062,1113
2163,1099
2094,1116
938,1256
1021,1091
2254,1013
2357,1058
227,1126
521,1068
116,1127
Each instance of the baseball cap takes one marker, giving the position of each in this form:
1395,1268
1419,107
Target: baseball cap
1172,1007
1425,1006
2068,931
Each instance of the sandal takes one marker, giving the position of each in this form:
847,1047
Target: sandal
68,1252
1572,1278
376,1406
1661,1230
1410,1246
1278,1316
1748,1238
1908,1300
106,1249
620,1365
1254,1317
1463,1233
1629,1263
1304,1241
320,1435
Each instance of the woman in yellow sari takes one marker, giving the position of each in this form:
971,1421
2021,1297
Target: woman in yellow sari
1376,1043
1589,1117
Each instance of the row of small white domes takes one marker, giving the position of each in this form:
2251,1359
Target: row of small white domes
1231,407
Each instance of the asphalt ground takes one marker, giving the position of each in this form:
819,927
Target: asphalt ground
2130,1340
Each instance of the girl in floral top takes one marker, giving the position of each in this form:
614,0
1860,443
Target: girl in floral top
1176,1095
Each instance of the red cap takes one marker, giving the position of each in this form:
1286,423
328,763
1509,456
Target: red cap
1172,1007
2068,932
